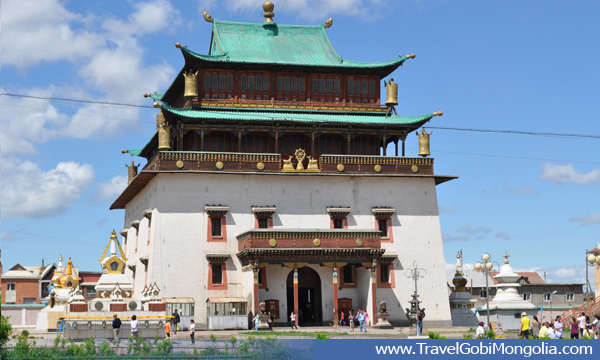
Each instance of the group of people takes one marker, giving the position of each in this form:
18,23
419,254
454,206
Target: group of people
171,326
361,319
581,326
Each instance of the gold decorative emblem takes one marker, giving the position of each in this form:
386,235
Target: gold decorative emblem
359,242
273,242
219,165
414,168
207,17
424,143
260,166
378,168
340,167
317,242
300,155
179,164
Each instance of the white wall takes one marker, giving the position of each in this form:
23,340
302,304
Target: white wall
178,244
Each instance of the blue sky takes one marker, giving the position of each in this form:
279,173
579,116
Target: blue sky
511,65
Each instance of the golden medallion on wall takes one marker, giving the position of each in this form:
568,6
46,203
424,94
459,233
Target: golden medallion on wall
179,164
414,168
273,242
219,165
340,167
260,166
317,242
377,168
359,242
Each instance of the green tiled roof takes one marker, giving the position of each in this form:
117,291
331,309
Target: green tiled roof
300,45
135,152
157,97
379,119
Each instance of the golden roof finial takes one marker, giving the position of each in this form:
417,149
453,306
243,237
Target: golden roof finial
69,267
506,256
268,8
207,17
328,23
458,254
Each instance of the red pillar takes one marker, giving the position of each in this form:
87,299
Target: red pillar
276,141
239,149
296,294
374,288
336,319
255,291
202,141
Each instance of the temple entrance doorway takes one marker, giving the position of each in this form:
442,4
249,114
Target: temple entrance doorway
309,297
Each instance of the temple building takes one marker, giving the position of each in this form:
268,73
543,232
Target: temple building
268,180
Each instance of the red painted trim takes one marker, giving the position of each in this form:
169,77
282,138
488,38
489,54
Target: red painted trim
391,284
341,277
255,286
223,237
390,237
331,222
374,288
270,222
263,276
212,286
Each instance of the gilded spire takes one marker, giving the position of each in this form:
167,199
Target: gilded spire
268,8
506,256
69,267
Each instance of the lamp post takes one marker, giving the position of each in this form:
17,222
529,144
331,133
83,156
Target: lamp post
485,266
552,304
592,259
416,273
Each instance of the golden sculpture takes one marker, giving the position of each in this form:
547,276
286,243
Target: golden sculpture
268,8
190,88
164,137
391,98
300,155
132,171
328,23
424,143
207,16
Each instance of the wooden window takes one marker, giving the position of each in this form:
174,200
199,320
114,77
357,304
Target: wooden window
331,144
384,271
218,84
326,88
348,274
216,227
385,276
262,278
257,142
11,286
263,223
289,143
217,276
290,87
254,86
338,223
365,145
220,141
383,227
362,90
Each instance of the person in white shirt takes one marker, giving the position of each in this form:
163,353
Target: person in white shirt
581,320
480,332
558,328
192,330
551,333
135,327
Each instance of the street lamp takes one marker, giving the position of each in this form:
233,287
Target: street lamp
416,273
592,259
485,266
552,304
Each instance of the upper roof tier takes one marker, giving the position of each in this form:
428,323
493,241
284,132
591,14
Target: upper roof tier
275,44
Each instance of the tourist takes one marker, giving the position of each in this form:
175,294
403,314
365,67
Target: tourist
52,297
270,320
192,331
256,321
366,319
597,316
536,327
175,322
293,320
135,327
581,320
351,321
543,331
420,321
574,329
167,327
524,326
551,333
480,332
116,325
361,320
558,327
342,318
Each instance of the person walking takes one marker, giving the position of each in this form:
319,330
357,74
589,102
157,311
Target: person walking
536,327
135,327
574,328
192,331
558,328
256,320
581,320
52,298
270,321
116,325
597,316
167,327
293,320
366,319
175,322
480,332
351,320
361,320
420,321
342,318
524,326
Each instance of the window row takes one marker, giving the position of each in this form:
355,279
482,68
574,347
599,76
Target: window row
260,142
224,84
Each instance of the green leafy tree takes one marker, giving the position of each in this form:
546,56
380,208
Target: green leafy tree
5,330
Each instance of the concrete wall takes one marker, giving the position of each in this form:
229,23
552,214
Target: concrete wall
24,288
178,245
22,316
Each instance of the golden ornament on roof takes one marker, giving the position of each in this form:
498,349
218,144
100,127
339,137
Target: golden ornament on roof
268,8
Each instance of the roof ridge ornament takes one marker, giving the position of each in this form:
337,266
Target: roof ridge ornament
328,23
268,8
207,17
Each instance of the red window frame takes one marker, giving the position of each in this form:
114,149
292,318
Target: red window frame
339,144
287,93
347,286
262,278
332,223
392,280
207,91
390,234
218,141
223,285
252,95
209,235
324,95
270,222
371,98
257,142
373,145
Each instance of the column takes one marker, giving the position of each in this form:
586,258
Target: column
396,143
202,140
373,315
349,151
276,141
384,145
255,290
296,294
336,320
180,140
312,144
403,138
239,149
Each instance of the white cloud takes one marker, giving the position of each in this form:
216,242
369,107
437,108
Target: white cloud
503,235
468,229
507,189
449,238
149,18
28,191
591,218
564,174
448,209
109,191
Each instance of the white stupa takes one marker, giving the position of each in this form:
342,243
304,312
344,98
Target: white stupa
462,304
113,271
